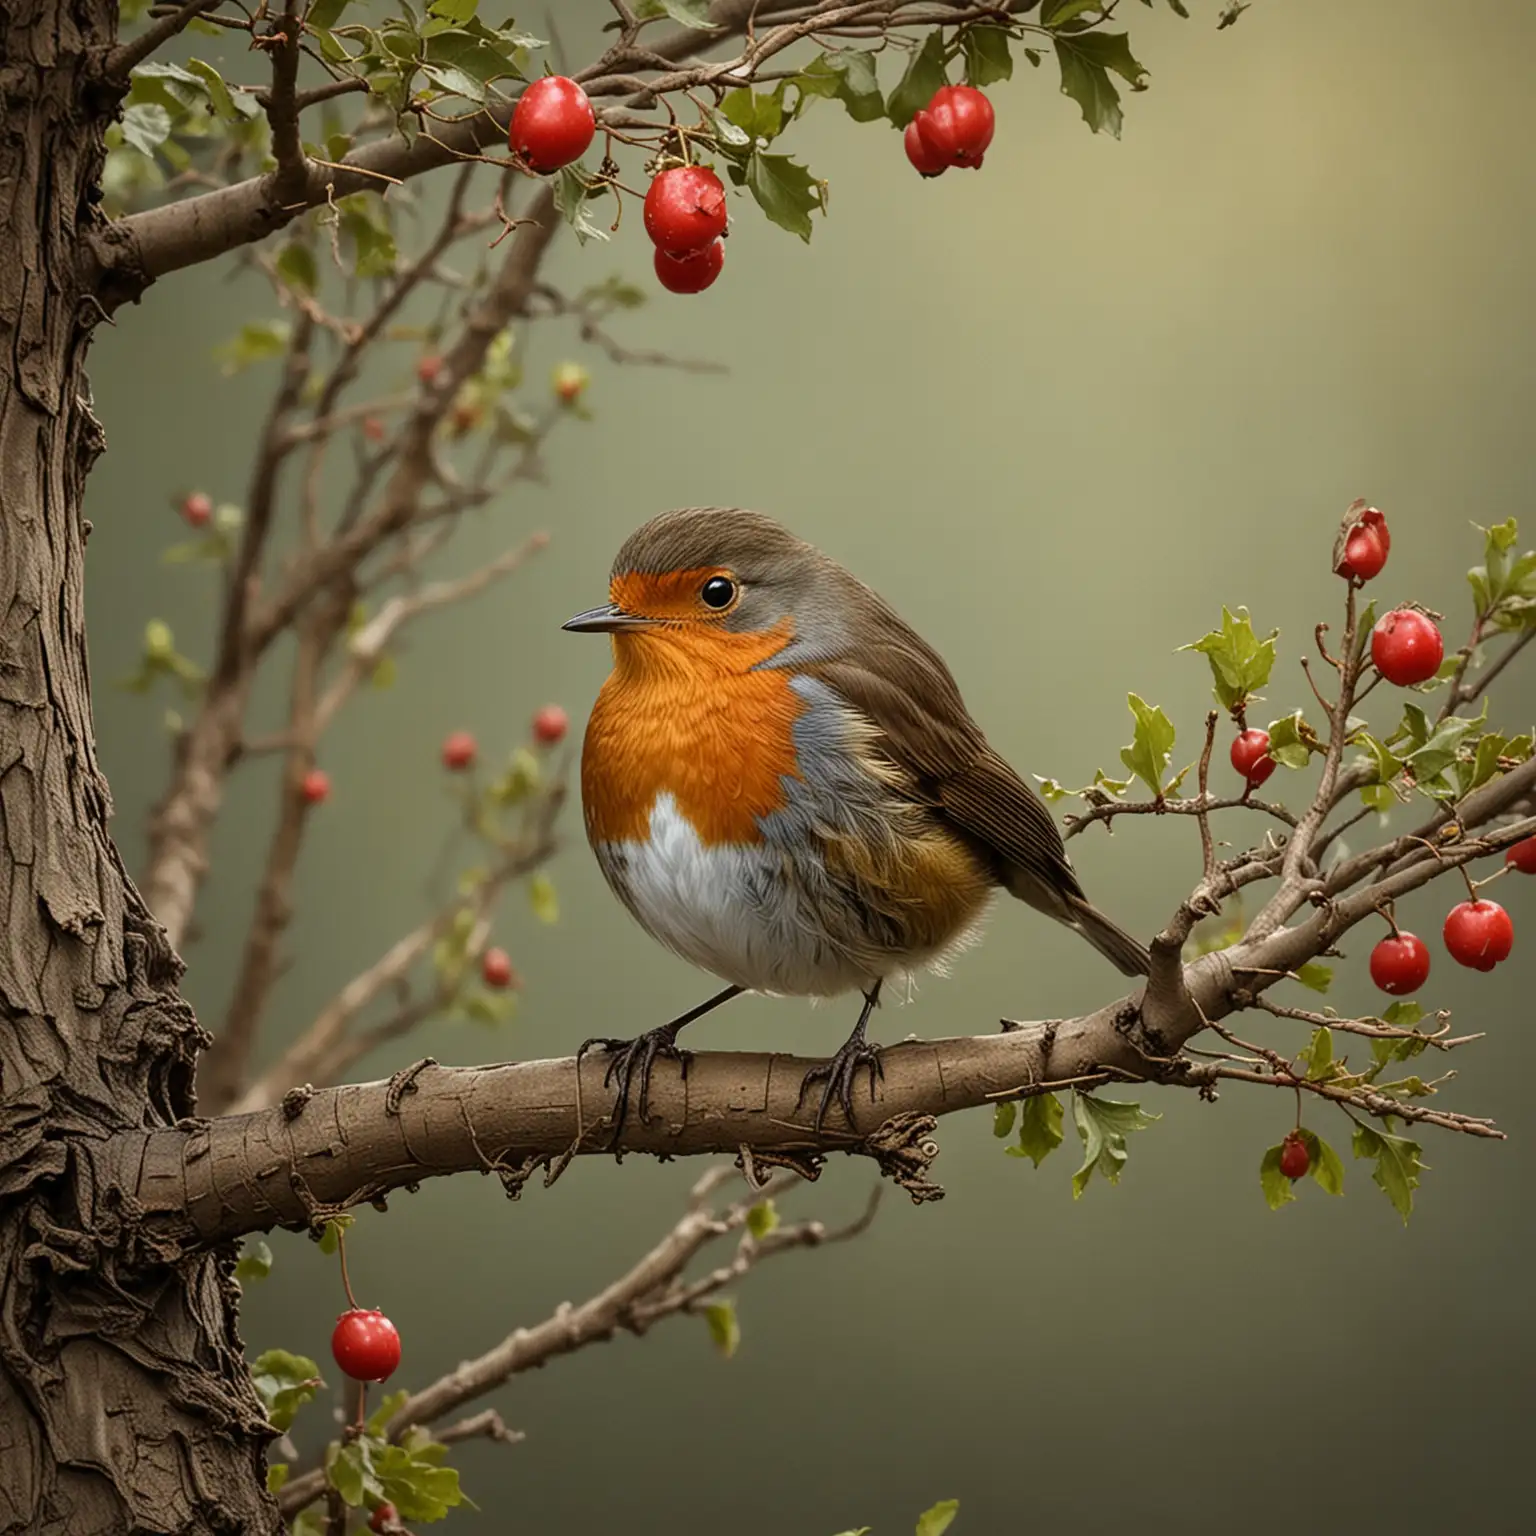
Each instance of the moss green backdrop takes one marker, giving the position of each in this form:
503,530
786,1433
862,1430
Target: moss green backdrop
1058,411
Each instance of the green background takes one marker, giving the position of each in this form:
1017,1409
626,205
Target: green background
1058,411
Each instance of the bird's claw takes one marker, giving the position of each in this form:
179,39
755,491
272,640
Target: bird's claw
840,1074
628,1056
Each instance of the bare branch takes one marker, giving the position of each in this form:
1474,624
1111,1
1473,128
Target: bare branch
123,59
652,1289
282,41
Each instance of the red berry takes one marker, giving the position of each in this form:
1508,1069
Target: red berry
428,369
496,968
366,1345
197,509
692,273
1406,647
1400,964
458,751
550,724
1294,1157
1479,934
385,1516
1250,756
1364,547
685,209
926,161
552,124
956,125
1523,856
373,429
317,785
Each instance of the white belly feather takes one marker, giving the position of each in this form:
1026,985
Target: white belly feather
734,911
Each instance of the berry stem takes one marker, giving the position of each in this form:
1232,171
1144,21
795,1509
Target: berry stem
346,1280
1387,912
1471,884
360,1423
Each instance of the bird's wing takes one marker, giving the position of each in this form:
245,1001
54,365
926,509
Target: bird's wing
903,687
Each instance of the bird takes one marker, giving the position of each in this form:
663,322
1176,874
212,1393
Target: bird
782,783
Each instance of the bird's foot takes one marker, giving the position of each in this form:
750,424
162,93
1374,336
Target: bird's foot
629,1057
856,1054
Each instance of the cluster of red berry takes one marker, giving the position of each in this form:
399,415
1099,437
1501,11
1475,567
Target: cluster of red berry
685,216
955,128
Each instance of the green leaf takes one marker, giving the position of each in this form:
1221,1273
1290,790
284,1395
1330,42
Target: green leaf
924,74
1325,1166
785,191
1003,1116
349,1470
986,55
1288,737
255,1262
1148,754
1277,1188
374,253
277,1474
1040,1127
689,13
256,341
571,195
723,1327
330,1234
1317,1059
296,266
1404,1014
1086,59
456,11
412,1478
1055,12
1240,661
848,74
543,900
1397,1165
935,1521
389,1405
1103,1125
218,93
284,1382
1318,977
324,14
759,114
146,127
762,1218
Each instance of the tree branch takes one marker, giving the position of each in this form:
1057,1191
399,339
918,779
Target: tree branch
123,59
652,1289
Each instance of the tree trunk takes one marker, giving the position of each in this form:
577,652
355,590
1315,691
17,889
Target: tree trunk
124,1403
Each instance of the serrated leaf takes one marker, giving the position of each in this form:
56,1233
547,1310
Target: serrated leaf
935,1521
1318,977
1087,82
412,1478
1397,1165
1152,746
723,1326
1103,1125
759,114
762,1218
255,1262
284,1382
848,75
1003,1116
1041,1118
987,58
349,1470
1240,661
785,191
1277,1188
923,75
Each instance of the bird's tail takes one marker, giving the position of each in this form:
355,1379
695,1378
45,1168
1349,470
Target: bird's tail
1111,941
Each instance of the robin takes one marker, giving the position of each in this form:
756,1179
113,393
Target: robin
782,783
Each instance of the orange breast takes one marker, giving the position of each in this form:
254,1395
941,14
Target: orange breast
684,714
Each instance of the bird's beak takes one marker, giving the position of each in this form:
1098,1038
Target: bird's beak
605,620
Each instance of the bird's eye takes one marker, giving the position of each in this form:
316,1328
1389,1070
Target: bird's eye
718,592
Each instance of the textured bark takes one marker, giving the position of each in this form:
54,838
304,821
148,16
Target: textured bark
124,1404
